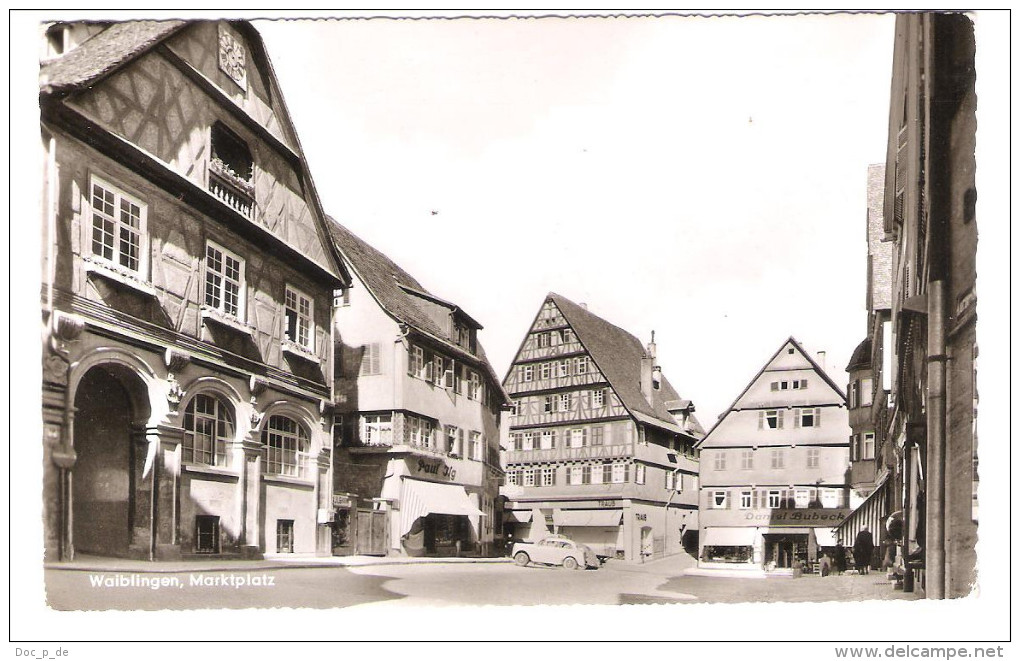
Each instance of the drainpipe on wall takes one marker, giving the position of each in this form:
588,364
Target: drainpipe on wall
935,553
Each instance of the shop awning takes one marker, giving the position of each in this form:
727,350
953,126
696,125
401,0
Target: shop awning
825,536
730,536
517,516
596,518
420,499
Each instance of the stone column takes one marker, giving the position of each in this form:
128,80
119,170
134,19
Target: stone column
251,451
324,500
156,479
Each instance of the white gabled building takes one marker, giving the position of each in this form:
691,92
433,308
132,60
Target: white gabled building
774,468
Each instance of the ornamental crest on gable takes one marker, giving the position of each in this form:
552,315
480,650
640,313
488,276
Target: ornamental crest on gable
232,57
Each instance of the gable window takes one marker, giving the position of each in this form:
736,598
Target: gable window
377,429
720,500
299,318
770,419
231,170
543,340
545,371
528,373
720,461
568,335
208,428
581,365
565,401
746,459
286,442
563,367
118,226
598,398
809,417
813,457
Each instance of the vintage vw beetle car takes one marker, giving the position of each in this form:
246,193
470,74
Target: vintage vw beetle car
555,550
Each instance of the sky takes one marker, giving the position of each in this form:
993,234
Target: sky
704,178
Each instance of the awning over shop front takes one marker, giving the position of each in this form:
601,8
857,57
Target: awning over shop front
597,518
517,516
420,499
825,536
730,536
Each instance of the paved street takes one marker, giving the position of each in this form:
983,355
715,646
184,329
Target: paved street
417,585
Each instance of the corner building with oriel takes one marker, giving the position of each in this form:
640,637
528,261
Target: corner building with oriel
601,448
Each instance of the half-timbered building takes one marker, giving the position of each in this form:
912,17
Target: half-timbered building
774,469
601,447
417,417
188,280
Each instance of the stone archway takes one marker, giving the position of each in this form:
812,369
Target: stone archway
109,499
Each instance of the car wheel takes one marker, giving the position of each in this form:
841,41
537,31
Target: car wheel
522,559
569,563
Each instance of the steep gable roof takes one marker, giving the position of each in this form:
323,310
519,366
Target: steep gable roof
396,291
861,357
112,49
817,368
103,54
618,356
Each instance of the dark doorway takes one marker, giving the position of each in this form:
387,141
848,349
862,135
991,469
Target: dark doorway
102,481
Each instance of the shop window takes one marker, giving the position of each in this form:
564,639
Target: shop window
286,443
208,429
284,535
207,534
729,554
118,227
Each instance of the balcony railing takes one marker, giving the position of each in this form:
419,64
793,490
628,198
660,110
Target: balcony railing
231,190
568,454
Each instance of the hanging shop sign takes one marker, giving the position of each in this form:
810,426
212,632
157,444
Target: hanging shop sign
429,468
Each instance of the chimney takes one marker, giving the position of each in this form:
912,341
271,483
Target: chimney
821,361
651,375
584,306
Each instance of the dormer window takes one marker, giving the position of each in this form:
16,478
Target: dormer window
56,40
231,170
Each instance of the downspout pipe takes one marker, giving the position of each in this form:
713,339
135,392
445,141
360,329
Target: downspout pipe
935,494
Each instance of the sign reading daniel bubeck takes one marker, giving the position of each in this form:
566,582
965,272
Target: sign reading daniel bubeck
824,518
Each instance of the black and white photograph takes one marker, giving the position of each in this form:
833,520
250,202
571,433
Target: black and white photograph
512,326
